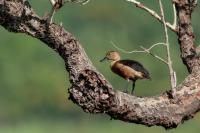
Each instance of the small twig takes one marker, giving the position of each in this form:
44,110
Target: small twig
175,78
82,2
156,44
170,67
154,55
153,13
175,17
55,7
135,51
125,51
144,50
52,13
53,2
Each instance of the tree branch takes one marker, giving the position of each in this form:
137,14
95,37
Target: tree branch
172,73
152,13
185,33
175,17
89,89
144,50
154,55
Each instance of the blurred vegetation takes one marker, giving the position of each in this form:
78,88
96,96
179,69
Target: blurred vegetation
34,83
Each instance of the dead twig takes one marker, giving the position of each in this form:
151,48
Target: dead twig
153,13
170,67
144,50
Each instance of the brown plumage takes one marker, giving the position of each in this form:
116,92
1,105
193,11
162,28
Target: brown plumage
127,69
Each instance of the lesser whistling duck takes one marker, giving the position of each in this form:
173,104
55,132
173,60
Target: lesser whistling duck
127,69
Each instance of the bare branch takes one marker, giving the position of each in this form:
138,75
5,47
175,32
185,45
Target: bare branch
53,2
125,51
175,16
154,55
175,81
153,13
136,51
145,50
171,70
156,44
57,4
82,2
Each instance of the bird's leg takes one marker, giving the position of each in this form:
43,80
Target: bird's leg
133,87
126,87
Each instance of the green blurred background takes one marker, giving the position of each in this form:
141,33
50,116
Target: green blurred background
34,83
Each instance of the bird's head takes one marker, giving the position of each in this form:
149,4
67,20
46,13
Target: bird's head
111,55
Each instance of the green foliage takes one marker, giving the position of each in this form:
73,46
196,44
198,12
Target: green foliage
33,81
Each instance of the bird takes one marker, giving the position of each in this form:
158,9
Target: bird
127,69
57,4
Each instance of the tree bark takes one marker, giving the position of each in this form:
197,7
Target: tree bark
185,34
91,91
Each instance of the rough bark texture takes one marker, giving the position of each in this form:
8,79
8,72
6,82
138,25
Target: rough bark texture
185,34
91,91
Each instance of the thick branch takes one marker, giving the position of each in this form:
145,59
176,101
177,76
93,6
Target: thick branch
89,88
186,36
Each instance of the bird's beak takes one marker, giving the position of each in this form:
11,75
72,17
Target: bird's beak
103,59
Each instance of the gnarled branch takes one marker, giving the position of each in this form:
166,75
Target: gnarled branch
91,91
185,34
